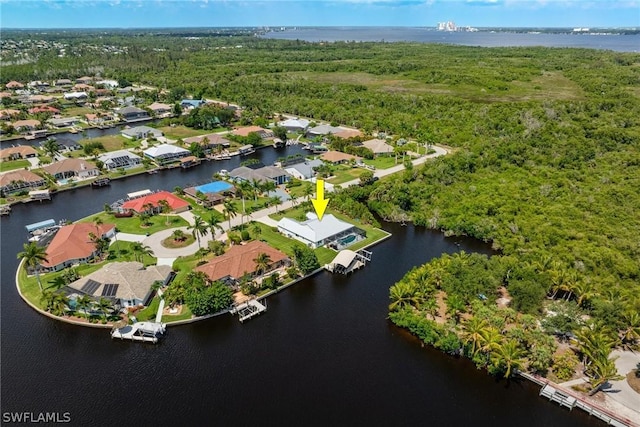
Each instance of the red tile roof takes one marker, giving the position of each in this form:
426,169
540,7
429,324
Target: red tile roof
43,109
175,202
73,242
239,260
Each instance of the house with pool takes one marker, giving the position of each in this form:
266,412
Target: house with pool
211,193
330,231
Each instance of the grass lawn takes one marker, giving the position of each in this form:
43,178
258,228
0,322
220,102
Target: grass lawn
382,162
78,111
181,132
184,315
112,142
125,172
344,175
149,312
133,225
13,165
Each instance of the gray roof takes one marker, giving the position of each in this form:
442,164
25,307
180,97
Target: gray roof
306,168
324,130
378,146
164,149
133,280
314,230
115,154
263,174
131,110
135,131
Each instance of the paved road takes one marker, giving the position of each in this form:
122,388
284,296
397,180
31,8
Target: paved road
166,256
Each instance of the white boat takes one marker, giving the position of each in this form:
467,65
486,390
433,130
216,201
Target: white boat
141,331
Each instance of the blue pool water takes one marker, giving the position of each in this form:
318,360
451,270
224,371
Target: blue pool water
214,187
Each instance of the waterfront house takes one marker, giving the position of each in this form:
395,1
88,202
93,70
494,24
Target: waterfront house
379,147
140,132
63,122
121,159
98,119
8,114
17,180
18,152
72,244
132,113
263,174
315,233
127,284
246,130
165,153
150,203
305,170
322,130
294,125
13,85
72,168
338,157
239,261
26,125
159,108
209,142
65,145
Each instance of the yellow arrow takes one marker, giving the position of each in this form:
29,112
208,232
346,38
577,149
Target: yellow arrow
320,203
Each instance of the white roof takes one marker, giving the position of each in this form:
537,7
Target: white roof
295,123
140,193
115,154
344,258
164,149
314,230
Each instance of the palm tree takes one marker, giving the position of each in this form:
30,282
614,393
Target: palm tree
83,303
455,306
404,294
55,303
199,228
257,188
430,306
140,250
178,235
474,329
244,188
269,186
262,262
33,255
509,356
214,225
631,332
51,148
275,201
165,209
97,221
307,191
104,305
230,211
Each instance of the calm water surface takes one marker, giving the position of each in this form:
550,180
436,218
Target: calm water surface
622,43
323,354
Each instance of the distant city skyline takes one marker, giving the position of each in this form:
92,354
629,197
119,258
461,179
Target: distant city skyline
275,13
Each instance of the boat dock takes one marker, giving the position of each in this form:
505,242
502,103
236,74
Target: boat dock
249,309
5,209
100,182
347,261
141,331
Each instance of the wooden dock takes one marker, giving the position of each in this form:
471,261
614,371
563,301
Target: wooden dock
249,309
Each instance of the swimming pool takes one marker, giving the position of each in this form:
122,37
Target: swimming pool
214,187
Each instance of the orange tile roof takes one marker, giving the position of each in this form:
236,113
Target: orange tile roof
19,175
43,109
13,85
137,205
66,165
9,112
337,156
239,260
245,131
23,150
73,242
347,133
25,123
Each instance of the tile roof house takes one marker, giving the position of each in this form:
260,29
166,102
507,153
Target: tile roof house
84,80
129,283
63,82
63,121
121,159
337,157
160,108
239,260
34,99
322,130
304,170
23,125
165,153
140,132
18,152
8,114
72,244
151,203
266,173
14,85
294,125
213,141
72,168
66,144
43,109
246,130
378,147
133,113
315,233
17,180
347,133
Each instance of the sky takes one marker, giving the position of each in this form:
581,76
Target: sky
276,13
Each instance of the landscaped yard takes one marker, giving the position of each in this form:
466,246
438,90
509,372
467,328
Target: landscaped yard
13,165
343,175
382,162
112,142
181,132
133,224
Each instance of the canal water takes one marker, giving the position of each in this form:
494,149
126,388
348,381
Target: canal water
323,354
